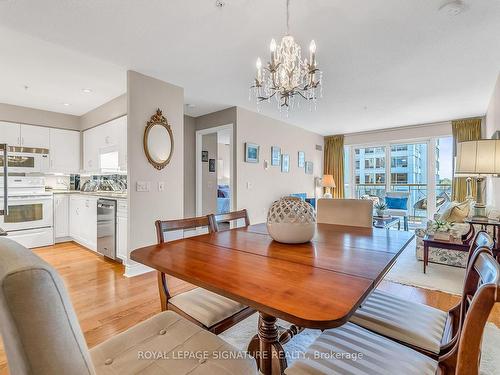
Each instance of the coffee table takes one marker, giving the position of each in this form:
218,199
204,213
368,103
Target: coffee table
386,222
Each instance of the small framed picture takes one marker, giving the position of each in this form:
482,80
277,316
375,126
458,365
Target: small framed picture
302,159
275,155
251,153
211,165
285,163
309,167
204,156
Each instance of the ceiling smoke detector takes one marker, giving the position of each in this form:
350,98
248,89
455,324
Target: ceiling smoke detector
453,8
220,4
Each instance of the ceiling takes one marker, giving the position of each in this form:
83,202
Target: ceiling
385,63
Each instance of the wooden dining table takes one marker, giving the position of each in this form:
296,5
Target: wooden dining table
318,284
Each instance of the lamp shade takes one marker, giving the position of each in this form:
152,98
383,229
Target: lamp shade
328,181
479,157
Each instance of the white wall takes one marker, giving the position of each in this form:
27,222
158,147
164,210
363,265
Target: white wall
209,179
189,166
493,125
31,116
268,185
144,96
108,111
415,132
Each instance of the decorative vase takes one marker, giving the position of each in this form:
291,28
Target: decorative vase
291,220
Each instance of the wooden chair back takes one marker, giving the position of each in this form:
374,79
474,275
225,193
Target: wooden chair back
481,239
481,292
230,216
163,226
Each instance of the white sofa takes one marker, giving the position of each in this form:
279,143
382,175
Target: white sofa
445,256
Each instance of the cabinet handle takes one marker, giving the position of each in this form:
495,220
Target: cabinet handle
19,141
22,141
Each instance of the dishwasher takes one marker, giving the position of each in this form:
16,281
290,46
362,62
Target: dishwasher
106,227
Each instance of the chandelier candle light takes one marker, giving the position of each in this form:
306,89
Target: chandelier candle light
287,76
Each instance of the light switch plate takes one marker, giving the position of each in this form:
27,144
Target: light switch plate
161,185
143,186
249,185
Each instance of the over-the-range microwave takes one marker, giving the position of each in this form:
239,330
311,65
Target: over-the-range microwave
27,160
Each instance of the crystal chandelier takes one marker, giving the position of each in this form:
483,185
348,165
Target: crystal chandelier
287,76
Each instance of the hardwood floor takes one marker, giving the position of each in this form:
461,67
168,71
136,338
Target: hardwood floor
107,303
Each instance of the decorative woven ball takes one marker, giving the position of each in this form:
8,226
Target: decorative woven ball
291,220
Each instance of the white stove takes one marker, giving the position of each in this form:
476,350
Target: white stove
29,220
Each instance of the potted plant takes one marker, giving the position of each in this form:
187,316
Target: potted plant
441,230
380,208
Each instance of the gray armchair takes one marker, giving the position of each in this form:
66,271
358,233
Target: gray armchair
400,212
42,336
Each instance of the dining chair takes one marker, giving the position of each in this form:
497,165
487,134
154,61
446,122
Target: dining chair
424,328
233,216
209,310
351,212
400,206
352,349
42,336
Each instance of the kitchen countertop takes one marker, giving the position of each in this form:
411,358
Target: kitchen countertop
104,194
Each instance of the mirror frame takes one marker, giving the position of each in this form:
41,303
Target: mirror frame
158,119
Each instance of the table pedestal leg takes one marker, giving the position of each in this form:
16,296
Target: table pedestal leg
426,256
266,348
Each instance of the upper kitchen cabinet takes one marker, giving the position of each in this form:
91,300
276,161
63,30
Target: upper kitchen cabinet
10,133
24,135
105,147
35,136
64,151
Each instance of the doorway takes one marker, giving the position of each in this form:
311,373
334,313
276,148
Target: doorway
214,170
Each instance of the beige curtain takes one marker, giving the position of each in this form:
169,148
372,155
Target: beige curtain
334,162
464,130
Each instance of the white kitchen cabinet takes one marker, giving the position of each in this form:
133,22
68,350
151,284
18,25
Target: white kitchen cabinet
35,136
64,151
91,146
83,220
10,133
61,216
121,230
107,138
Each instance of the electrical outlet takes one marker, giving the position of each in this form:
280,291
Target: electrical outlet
249,185
161,185
143,186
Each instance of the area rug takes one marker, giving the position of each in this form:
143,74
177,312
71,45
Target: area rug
240,335
409,271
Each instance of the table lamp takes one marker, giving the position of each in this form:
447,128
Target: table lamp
478,159
328,183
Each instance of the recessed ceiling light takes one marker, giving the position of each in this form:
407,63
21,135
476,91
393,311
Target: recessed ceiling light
66,104
87,91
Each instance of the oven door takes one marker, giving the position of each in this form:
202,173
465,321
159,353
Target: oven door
27,212
26,162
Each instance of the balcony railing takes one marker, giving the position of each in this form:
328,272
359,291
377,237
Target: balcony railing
418,195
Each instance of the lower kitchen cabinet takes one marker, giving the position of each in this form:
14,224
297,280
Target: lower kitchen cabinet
83,220
61,217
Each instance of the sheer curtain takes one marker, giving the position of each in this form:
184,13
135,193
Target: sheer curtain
334,162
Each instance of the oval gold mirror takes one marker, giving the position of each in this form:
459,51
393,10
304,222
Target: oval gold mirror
158,141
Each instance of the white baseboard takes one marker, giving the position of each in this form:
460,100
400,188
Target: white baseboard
135,269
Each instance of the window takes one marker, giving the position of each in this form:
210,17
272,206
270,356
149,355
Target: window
369,163
380,178
380,162
399,178
399,162
358,164
356,179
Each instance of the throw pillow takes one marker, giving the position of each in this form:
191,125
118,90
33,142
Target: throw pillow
396,203
456,212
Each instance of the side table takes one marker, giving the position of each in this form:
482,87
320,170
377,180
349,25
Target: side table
484,225
453,244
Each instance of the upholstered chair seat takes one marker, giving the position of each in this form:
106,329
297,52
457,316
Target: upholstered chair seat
351,349
413,323
168,344
42,336
206,307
